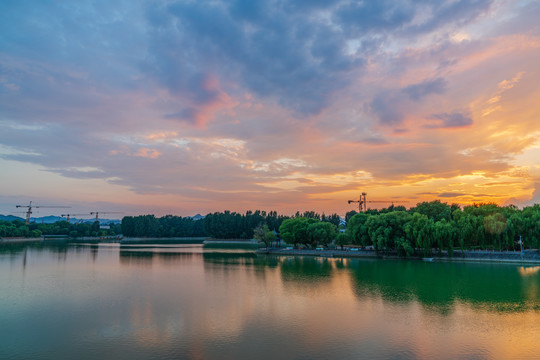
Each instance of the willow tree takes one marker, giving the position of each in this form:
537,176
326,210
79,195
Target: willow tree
387,232
420,230
358,230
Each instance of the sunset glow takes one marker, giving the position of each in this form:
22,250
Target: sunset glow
184,107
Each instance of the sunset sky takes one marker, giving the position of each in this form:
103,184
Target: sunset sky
186,107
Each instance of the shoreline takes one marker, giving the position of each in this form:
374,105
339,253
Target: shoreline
20,240
49,239
529,256
161,241
123,240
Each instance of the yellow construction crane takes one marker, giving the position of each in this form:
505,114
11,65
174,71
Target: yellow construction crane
104,212
30,206
68,215
362,202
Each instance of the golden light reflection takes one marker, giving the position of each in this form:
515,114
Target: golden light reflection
528,270
318,308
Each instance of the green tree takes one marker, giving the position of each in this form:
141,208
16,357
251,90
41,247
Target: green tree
264,235
301,230
445,235
343,239
349,215
494,226
420,231
434,210
387,232
295,231
358,230
286,231
321,233
95,228
531,226
334,219
464,228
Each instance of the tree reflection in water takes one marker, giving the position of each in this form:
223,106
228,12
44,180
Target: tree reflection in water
439,286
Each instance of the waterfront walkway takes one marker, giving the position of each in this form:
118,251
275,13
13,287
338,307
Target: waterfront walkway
528,256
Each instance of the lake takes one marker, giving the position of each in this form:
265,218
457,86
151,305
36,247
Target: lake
112,301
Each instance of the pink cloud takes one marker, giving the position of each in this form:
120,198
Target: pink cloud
147,153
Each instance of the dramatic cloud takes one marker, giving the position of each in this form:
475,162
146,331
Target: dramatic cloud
418,92
391,105
193,106
455,119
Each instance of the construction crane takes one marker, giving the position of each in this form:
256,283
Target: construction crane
30,206
68,215
103,212
362,202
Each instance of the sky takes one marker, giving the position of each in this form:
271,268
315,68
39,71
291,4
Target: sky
186,107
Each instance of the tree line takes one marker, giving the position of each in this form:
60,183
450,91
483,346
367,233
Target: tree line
218,225
429,227
436,226
310,232
18,228
166,226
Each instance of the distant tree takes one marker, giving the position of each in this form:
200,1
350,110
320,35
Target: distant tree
264,235
295,231
454,207
434,210
464,228
357,229
482,209
321,233
531,226
286,231
273,220
128,226
334,219
308,215
95,228
420,230
494,226
444,234
271,237
343,239
387,232
349,215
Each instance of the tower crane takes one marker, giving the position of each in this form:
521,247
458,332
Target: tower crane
30,206
362,202
68,215
103,212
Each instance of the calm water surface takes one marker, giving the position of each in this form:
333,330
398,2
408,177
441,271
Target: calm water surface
186,302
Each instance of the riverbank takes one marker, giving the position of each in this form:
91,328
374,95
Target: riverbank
528,256
8,240
230,241
55,239
162,241
192,240
132,240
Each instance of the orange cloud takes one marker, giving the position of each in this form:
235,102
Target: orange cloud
147,153
162,135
